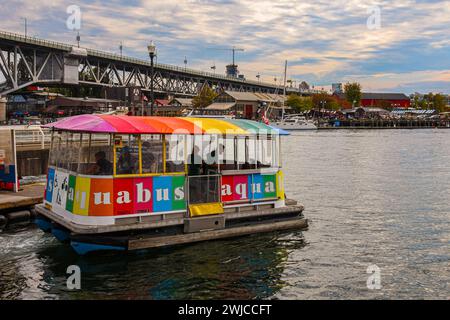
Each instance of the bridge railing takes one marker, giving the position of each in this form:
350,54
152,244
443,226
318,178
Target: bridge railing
34,40
114,56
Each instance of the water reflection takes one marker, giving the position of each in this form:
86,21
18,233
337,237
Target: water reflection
241,268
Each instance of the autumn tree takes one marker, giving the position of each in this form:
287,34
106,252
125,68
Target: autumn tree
204,98
325,101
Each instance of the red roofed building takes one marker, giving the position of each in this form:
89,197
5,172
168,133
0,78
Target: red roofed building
162,102
383,100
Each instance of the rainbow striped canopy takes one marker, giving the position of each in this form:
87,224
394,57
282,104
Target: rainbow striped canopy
100,123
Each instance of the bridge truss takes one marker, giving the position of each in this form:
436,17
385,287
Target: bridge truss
28,61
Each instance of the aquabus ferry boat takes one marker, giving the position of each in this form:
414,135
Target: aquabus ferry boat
129,183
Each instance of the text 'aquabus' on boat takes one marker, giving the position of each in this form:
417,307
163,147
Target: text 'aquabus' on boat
129,183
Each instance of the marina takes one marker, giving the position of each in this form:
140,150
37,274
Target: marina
234,152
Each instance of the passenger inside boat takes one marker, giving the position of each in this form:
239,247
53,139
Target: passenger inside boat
196,162
125,163
102,165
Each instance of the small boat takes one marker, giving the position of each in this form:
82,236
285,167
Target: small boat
294,123
129,183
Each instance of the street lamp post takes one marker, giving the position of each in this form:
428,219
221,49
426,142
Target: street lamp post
151,51
26,26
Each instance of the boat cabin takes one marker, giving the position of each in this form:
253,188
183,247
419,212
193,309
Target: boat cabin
114,170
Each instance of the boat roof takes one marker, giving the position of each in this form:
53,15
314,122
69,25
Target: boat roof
103,123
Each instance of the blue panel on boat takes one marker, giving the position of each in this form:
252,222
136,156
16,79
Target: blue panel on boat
43,224
162,193
257,185
60,234
49,187
82,247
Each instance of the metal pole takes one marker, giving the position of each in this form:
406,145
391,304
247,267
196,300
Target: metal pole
152,94
284,89
25,25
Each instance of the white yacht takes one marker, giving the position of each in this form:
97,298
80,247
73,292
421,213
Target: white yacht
294,122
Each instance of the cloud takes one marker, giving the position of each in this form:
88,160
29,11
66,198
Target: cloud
324,41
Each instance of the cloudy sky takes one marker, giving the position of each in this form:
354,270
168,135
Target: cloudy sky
407,49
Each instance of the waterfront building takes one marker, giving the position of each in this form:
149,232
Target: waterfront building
182,102
383,100
246,104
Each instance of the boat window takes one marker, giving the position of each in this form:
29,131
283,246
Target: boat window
101,155
250,153
204,189
62,156
240,151
85,153
227,153
194,155
127,154
95,154
175,153
73,151
211,153
264,152
203,154
152,153
54,152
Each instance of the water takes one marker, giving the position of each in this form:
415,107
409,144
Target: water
372,197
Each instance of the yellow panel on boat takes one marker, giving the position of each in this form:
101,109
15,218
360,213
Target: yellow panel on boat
82,192
205,209
280,185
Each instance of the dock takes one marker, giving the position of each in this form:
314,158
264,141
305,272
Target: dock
19,206
384,124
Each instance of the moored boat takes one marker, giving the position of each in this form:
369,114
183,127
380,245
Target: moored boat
129,183
295,123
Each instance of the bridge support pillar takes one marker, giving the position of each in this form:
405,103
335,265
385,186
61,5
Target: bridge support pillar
2,109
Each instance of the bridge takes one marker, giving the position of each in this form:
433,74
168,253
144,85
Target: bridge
28,61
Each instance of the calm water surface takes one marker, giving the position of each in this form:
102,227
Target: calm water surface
372,197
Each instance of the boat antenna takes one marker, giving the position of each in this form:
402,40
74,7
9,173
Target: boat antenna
284,89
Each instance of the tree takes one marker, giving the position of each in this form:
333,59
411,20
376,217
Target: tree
325,101
299,104
334,104
205,97
439,103
353,93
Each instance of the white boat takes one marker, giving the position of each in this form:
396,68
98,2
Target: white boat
294,123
